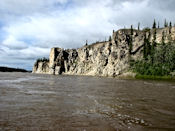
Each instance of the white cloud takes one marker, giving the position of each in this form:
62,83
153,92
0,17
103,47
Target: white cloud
11,42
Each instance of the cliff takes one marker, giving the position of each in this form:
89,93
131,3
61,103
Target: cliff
109,58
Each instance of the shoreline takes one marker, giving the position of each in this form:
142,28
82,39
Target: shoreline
125,76
11,69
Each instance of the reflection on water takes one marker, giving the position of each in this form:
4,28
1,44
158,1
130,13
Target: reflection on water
46,102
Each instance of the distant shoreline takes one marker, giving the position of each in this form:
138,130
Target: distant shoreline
10,69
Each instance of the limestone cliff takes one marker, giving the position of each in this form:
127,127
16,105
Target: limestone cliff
109,58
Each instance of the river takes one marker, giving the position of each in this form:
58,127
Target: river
36,102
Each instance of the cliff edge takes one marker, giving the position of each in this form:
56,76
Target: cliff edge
108,58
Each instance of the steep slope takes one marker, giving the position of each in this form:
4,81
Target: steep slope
109,58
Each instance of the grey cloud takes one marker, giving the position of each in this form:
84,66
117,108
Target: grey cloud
26,7
1,50
164,5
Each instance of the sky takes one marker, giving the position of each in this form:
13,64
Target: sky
29,28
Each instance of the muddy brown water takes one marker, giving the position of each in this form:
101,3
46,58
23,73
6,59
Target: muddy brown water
32,102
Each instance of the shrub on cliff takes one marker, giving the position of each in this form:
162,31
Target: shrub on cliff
42,60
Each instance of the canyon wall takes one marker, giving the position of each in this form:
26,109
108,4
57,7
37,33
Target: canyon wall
108,58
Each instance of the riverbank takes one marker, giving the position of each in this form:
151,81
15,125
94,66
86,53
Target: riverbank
124,76
9,69
169,78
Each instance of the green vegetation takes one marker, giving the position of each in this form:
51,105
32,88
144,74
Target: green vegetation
132,30
8,69
165,23
155,77
110,39
139,26
42,60
158,58
170,24
86,43
159,63
154,24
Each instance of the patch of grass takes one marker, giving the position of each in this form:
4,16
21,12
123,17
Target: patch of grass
151,77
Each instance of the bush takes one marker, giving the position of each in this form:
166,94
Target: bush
42,60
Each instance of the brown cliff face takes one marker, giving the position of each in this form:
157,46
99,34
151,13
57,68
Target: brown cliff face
110,58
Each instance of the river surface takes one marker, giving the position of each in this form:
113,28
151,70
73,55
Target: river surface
32,102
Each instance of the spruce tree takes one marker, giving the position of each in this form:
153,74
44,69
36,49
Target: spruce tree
154,38
163,46
170,24
148,48
131,30
154,24
165,23
145,47
170,27
139,26
153,46
110,38
86,42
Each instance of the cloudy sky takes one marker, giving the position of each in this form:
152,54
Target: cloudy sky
29,28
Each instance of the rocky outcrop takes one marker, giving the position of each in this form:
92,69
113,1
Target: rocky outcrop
109,58
41,67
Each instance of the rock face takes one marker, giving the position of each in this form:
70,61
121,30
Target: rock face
41,67
109,58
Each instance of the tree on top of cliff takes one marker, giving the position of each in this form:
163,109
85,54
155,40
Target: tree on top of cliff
86,42
110,38
165,23
139,26
154,24
43,59
154,44
131,30
170,24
